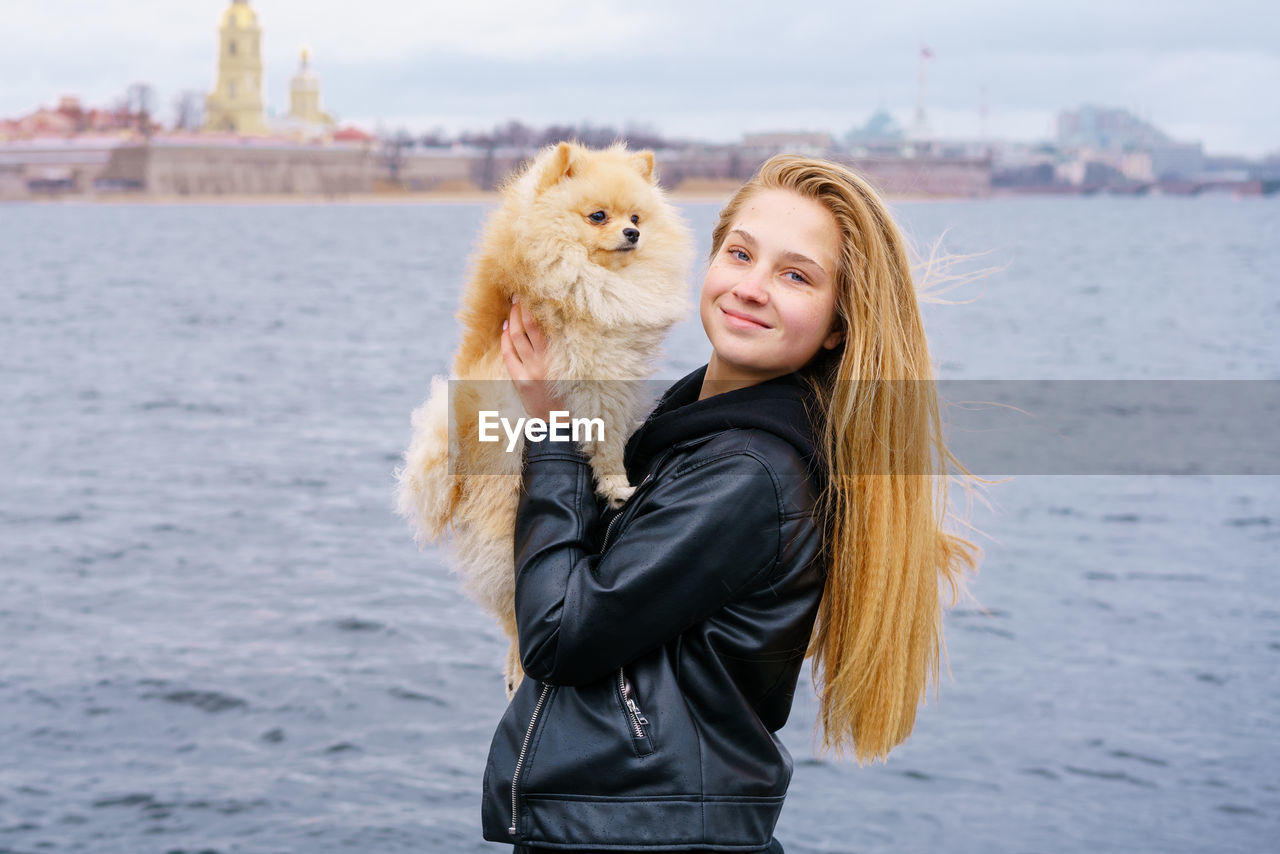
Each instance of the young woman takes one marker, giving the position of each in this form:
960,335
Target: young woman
790,499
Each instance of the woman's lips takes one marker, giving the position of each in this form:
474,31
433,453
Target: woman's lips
742,321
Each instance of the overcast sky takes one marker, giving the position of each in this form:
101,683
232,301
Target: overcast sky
1207,71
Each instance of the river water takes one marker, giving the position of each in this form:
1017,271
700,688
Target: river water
217,636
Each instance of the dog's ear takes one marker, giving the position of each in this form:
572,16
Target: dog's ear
560,166
643,161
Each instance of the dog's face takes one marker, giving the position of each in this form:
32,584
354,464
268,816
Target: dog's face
606,197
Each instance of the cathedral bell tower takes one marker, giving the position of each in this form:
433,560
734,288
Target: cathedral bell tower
304,95
235,104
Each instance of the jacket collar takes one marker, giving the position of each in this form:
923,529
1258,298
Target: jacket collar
779,406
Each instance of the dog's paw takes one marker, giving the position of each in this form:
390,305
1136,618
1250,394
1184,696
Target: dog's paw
616,489
513,680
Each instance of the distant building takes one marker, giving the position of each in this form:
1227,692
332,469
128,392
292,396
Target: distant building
722,168
206,165
351,133
1111,143
235,105
459,169
881,132
1177,159
1091,168
69,118
797,142
305,118
73,151
56,164
1107,129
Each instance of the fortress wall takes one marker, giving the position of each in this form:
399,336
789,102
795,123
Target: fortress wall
13,182
425,172
241,170
933,176
194,166
53,167
897,176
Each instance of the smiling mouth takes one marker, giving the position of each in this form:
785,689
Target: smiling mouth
624,249
744,319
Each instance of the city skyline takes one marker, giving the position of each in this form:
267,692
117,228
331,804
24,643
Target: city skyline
691,72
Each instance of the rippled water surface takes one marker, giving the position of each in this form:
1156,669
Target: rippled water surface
217,637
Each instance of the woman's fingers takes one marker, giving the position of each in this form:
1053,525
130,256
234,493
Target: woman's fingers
513,325
524,353
519,334
530,326
523,347
526,337
510,357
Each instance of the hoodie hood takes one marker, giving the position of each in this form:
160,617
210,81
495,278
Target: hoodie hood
779,406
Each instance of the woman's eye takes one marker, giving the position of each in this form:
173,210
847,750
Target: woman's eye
598,216
635,219
797,277
739,254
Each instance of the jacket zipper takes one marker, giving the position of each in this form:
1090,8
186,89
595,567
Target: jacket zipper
637,717
524,749
609,528
608,531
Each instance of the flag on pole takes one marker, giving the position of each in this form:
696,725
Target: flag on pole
925,52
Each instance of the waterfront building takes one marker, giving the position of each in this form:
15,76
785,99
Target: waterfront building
880,135
815,143
304,94
235,104
55,164
1102,128
70,119
1106,142
305,119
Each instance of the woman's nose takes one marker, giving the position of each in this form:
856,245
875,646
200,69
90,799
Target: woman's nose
751,287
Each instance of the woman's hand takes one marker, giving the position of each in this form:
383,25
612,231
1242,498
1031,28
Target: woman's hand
524,351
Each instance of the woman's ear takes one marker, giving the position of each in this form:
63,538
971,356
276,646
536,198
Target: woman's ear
834,339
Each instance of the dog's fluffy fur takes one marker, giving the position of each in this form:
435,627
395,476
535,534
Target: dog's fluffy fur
604,303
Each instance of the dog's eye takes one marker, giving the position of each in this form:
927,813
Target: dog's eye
635,219
598,217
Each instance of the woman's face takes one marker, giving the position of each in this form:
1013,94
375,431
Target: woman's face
768,301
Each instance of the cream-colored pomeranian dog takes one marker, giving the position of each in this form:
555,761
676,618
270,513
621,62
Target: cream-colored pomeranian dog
586,241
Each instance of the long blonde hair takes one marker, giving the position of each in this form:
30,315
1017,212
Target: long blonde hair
876,643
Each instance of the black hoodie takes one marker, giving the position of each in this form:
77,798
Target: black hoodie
780,406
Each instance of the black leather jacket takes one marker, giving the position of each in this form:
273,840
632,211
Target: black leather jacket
662,643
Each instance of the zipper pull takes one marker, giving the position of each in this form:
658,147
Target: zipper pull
635,710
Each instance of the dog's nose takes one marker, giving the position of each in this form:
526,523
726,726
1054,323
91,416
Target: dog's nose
632,234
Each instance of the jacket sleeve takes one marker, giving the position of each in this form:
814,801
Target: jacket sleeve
696,542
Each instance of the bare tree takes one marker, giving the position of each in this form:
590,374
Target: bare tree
393,153
644,136
558,133
515,134
140,105
434,138
188,110
597,137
